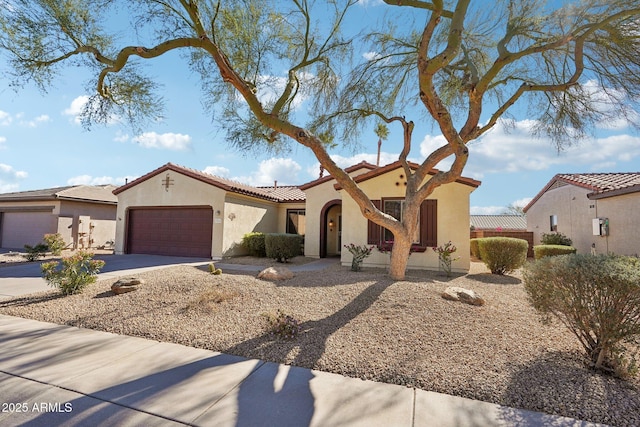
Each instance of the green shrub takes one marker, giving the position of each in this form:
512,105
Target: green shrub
77,271
475,249
503,254
254,243
55,242
555,239
282,247
283,325
540,251
35,252
597,297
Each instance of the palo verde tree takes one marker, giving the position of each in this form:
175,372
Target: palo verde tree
464,63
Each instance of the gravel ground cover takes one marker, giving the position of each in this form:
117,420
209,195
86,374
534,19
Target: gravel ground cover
367,326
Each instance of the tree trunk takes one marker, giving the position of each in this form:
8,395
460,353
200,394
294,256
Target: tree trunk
400,256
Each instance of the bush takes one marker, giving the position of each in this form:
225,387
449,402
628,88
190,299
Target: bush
555,239
597,297
359,254
283,325
254,243
35,252
540,251
55,242
503,254
77,271
282,247
475,249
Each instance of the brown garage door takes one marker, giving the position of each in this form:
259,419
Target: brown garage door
183,231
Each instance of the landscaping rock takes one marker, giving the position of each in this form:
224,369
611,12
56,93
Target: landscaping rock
467,296
275,273
126,284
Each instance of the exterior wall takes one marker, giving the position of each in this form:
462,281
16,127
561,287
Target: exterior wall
282,214
452,217
624,224
574,212
243,215
317,198
183,191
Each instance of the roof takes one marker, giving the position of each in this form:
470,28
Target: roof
274,193
502,222
396,165
362,165
600,185
85,193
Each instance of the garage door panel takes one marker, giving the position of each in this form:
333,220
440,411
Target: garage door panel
26,228
180,231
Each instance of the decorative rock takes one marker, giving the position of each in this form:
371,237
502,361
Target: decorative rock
275,273
126,284
463,295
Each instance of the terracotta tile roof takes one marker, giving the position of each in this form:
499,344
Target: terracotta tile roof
93,193
364,165
601,185
493,222
286,193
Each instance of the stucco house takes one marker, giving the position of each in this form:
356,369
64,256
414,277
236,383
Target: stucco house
84,215
175,210
598,211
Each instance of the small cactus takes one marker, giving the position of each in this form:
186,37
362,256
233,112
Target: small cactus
217,271
212,268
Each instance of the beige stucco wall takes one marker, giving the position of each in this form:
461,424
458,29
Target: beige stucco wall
243,215
317,198
184,191
452,216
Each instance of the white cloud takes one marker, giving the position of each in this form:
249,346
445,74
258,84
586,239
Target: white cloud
169,141
487,210
5,118
522,202
121,137
344,162
35,122
75,109
99,180
2,141
283,170
9,178
217,171
370,56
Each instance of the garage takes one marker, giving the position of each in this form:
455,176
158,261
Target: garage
25,228
177,231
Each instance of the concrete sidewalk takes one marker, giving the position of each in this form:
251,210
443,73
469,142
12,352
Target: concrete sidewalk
52,375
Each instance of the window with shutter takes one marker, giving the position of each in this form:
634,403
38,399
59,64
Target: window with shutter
374,230
428,227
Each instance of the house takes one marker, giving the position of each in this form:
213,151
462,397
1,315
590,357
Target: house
175,210
498,222
597,211
84,215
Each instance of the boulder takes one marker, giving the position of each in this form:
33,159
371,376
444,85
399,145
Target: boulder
275,273
468,296
126,284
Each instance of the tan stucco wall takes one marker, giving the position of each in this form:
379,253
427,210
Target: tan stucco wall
185,191
243,215
317,198
575,213
453,222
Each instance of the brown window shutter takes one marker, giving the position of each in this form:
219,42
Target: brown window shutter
429,223
373,229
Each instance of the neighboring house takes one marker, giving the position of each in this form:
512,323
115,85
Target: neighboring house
175,210
498,222
84,216
598,211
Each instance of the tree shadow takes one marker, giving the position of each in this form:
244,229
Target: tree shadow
28,300
561,383
495,279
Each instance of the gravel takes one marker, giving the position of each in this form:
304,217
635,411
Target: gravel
367,326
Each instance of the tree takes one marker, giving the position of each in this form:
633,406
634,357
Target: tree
453,58
514,209
383,133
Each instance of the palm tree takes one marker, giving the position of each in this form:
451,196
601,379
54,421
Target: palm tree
383,132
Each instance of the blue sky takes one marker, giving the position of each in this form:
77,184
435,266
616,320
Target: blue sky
43,145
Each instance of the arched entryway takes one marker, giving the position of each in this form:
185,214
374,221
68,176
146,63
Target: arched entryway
331,229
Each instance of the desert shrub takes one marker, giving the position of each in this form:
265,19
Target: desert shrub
35,252
540,251
555,239
444,256
255,243
209,299
55,242
283,325
282,247
359,254
597,297
475,249
76,272
503,254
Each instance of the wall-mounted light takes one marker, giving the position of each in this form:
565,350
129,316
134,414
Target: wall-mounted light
331,224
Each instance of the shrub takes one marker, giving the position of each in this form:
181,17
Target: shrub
283,325
213,270
503,254
359,254
35,252
555,239
475,250
208,300
255,243
77,271
55,242
597,297
444,256
282,247
540,251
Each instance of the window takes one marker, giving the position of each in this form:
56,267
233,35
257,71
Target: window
427,234
553,222
296,221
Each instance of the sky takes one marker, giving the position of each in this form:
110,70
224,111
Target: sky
43,145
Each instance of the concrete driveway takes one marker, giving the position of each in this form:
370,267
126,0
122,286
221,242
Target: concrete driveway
26,278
